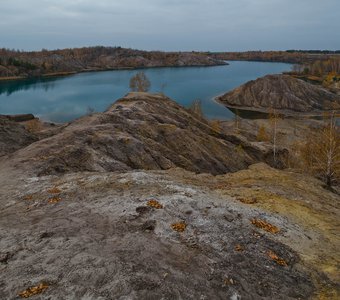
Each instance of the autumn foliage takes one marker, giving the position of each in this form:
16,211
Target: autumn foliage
320,151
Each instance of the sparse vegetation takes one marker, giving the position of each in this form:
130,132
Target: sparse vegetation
14,63
274,119
290,56
140,83
319,68
216,125
262,135
237,121
321,150
196,108
34,125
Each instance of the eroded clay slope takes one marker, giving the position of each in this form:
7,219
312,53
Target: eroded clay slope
141,131
282,92
254,234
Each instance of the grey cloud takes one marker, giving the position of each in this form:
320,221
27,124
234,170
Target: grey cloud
171,24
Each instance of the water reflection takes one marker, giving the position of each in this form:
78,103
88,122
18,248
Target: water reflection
12,86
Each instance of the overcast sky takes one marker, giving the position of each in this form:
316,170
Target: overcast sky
215,25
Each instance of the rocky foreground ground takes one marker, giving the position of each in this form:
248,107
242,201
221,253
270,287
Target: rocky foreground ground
84,217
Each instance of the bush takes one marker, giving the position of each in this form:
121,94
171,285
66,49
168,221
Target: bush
262,135
140,83
196,108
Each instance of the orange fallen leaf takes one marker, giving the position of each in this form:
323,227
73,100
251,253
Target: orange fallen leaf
28,197
54,200
179,227
239,247
265,225
31,291
54,190
280,261
155,204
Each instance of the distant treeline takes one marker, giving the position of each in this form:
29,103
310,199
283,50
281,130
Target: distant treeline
14,63
315,51
319,67
290,56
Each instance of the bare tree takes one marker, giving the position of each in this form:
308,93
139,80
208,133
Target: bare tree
216,125
321,150
237,120
140,83
274,118
196,108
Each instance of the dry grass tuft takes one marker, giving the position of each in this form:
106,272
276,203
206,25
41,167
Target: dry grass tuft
35,290
155,204
277,259
179,227
262,135
265,226
33,125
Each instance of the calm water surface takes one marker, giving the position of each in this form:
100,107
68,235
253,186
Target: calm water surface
66,98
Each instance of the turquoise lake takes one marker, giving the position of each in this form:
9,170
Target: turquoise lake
62,99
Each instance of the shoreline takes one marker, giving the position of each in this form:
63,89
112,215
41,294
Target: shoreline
70,73
284,113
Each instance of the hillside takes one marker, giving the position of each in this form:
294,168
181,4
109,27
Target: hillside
149,201
282,92
142,131
31,64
